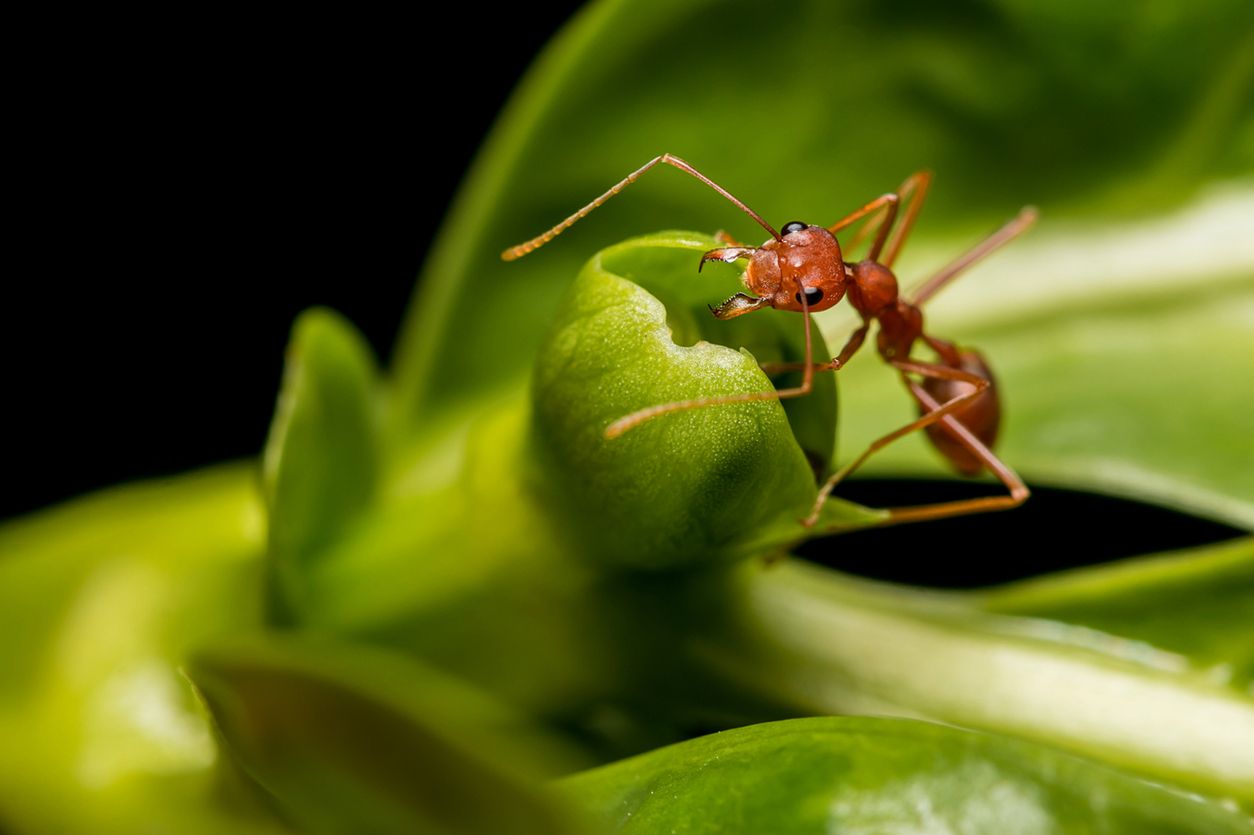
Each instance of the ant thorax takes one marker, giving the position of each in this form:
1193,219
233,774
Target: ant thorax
874,288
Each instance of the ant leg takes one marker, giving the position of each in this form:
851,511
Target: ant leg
935,412
835,364
770,368
1009,478
914,190
886,202
723,237
636,418
863,231
1016,227
540,240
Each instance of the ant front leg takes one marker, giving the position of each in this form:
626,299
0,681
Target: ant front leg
935,412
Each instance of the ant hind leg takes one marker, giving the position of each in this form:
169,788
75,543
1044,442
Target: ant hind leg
935,413
1017,491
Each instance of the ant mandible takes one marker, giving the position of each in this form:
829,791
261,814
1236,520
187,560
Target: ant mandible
801,268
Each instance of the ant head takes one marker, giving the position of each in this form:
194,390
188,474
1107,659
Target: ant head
804,261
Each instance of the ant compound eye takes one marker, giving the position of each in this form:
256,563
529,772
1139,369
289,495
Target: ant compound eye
813,296
793,226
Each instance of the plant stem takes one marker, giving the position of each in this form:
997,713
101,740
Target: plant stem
821,642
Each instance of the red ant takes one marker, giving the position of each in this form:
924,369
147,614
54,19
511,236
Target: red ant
801,268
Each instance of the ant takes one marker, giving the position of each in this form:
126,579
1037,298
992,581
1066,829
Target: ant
801,268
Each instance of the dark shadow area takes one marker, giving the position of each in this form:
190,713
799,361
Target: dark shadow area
1054,530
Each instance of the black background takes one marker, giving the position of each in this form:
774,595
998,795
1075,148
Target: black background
185,195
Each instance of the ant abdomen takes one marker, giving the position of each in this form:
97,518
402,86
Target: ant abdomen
981,415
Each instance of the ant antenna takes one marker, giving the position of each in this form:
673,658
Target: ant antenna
515,252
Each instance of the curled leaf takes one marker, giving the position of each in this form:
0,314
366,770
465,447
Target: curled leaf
321,460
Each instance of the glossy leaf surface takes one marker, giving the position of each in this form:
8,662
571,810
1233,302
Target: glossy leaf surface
879,775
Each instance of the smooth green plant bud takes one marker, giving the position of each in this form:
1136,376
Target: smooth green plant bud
690,487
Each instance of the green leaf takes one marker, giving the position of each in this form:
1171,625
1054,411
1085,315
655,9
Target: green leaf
880,775
351,740
1133,392
322,458
695,485
1004,102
